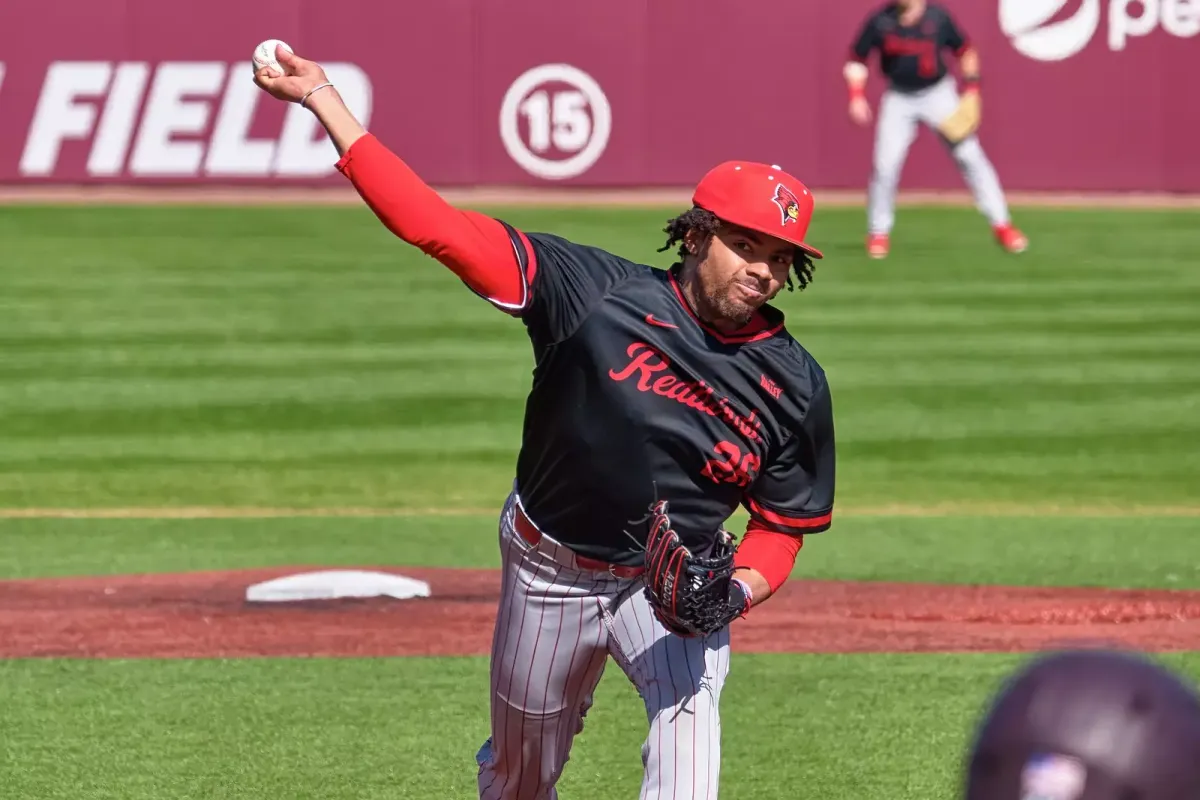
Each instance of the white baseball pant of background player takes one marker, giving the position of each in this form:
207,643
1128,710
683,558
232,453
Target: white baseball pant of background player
555,629
900,113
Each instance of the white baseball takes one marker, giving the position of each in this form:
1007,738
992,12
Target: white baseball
264,55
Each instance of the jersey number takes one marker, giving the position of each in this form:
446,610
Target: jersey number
731,466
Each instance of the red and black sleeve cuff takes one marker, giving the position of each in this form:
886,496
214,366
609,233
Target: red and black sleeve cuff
790,521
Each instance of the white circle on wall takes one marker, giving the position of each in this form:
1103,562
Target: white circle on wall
557,120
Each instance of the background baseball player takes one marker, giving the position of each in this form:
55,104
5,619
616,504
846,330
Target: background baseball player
911,37
1088,725
661,401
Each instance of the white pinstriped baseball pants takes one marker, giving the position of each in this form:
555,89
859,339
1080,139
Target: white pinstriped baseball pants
555,628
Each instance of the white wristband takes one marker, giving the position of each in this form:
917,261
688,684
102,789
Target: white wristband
310,91
746,591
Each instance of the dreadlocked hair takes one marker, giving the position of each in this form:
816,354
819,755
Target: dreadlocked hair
706,223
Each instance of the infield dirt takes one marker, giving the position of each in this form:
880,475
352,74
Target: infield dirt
206,615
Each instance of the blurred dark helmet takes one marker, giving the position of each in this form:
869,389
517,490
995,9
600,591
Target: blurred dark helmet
1089,725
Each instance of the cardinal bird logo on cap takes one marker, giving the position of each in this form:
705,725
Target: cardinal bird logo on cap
789,205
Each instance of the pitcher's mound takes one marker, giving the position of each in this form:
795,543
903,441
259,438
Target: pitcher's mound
336,584
208,614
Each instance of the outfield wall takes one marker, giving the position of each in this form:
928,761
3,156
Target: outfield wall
1093,97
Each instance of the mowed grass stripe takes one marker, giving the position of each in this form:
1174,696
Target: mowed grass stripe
338,383
965,509
263,447
485,480
225,322
1044,550
396,446
1096,551
1170,315
298,352
98,356
398,387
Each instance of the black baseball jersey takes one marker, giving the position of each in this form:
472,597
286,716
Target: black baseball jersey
911,56
634,398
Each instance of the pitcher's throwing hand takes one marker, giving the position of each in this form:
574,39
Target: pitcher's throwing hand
299,80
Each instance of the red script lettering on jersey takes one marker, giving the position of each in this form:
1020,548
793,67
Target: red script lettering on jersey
924,49
647,361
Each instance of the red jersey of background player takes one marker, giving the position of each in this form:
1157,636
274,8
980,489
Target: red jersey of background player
633,397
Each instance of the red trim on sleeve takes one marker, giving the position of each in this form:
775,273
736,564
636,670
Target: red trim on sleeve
474,246
966,46
789,522
769,553
531,259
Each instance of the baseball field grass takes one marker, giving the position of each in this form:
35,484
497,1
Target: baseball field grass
216,388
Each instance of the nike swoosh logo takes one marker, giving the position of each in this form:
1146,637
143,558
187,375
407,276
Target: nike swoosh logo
650,319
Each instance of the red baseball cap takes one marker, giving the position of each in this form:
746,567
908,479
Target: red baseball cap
760,197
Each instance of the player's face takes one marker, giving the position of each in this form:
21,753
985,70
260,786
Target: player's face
738,271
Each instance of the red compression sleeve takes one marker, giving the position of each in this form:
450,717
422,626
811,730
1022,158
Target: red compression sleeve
769,553
476,247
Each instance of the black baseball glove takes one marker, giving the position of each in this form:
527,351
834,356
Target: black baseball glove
691,596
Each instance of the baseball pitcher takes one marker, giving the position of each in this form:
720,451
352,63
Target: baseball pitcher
662,400
911,37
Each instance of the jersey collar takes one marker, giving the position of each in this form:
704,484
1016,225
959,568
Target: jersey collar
765,323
